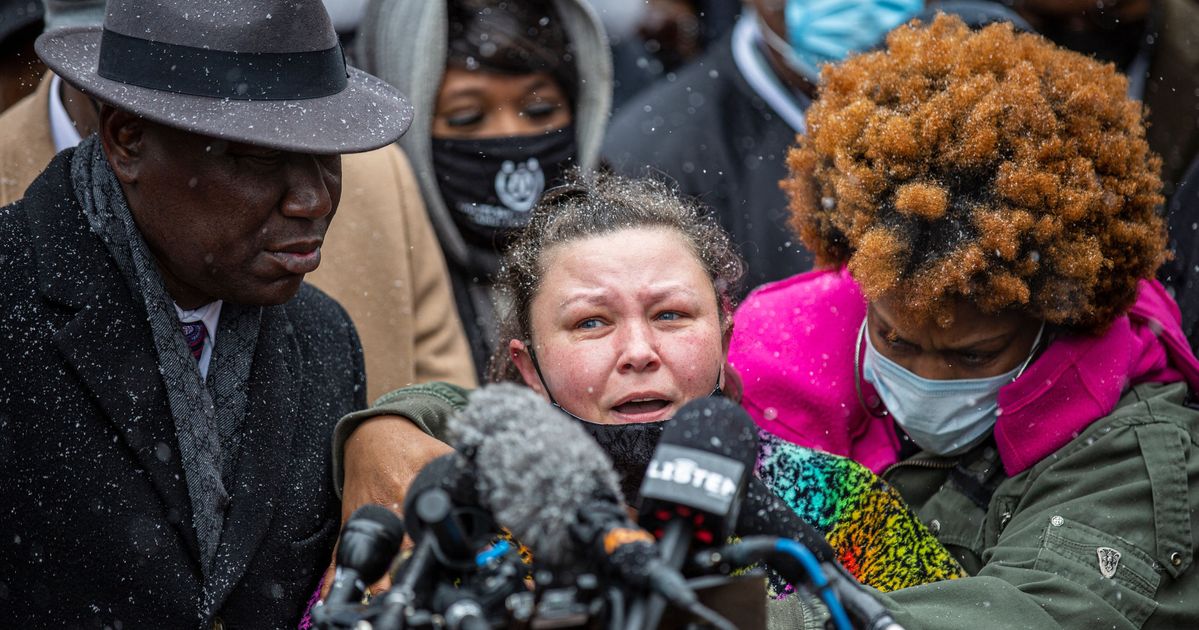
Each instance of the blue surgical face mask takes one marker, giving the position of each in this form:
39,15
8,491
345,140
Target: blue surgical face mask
946,417
823,31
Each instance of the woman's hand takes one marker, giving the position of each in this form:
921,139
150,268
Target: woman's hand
381,458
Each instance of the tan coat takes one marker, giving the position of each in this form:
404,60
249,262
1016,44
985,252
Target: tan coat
380,259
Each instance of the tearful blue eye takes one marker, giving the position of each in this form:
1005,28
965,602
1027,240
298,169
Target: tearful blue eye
589,323
669,316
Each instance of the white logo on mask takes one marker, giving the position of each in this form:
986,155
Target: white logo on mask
519,186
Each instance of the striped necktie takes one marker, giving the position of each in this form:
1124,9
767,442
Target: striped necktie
195,333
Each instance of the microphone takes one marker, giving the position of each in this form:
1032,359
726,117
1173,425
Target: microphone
843,595
447,526
699,472
694,484
446,522
551,485
442,502
537,469
763,513
369,541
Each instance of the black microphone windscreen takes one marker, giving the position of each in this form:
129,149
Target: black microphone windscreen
370,540
703,461
716,425
537,468
449,472
443,503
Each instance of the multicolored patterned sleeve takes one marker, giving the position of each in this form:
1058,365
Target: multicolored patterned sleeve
874,532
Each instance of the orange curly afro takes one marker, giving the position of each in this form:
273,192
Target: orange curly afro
988,166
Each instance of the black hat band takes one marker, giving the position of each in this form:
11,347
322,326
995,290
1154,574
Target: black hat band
220,73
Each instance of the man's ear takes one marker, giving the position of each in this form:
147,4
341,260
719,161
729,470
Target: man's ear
524,363
122,135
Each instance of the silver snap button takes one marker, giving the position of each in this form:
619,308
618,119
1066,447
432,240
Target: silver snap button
934,526
1176,559
1057,521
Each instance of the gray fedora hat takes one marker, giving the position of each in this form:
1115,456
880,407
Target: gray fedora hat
265,72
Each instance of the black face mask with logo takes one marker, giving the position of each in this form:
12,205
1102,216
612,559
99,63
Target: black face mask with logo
490,185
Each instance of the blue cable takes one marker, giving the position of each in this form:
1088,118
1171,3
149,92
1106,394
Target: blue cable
812,566
496,550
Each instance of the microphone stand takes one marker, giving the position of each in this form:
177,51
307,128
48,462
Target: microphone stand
403,594
646,612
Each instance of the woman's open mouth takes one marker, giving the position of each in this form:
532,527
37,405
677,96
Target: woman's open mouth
642,409
642,406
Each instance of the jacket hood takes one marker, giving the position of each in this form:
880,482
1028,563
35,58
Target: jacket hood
1079,379
794,345
405,44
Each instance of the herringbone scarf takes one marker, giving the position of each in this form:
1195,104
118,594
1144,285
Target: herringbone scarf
208,415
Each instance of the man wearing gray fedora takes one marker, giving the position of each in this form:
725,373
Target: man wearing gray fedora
381,261
169,385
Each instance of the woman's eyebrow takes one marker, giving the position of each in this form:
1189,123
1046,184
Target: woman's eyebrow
466,91
891,335
654,293
657,293
541,82
585,296
966,345
881,320
957,347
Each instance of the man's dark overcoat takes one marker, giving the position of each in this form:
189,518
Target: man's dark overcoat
95,519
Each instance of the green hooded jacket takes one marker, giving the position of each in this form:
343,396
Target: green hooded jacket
1097,535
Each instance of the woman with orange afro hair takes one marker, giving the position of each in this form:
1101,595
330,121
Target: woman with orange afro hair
985,331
